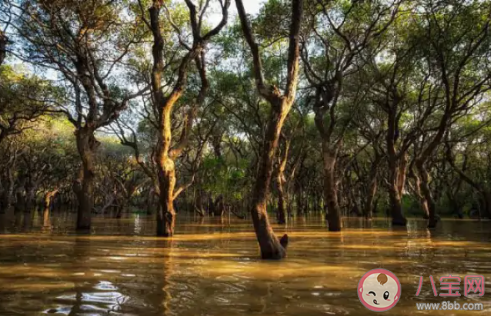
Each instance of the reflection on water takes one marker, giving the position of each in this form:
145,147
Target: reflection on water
212,267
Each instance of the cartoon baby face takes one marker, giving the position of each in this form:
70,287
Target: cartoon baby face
379,290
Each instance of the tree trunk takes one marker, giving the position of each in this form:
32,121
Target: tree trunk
280,182
20,195
20,200
271,248
372,191
83,186
166,215
47,207
30,197
395,196
7,193
219,206
422,199
333,214
426,194
299,199
281,202
486,204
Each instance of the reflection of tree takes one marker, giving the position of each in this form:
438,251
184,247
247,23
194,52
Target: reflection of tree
166,278
46,220
160,296
81,252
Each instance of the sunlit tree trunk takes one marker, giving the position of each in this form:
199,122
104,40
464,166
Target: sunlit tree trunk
48,198
164,104
167,180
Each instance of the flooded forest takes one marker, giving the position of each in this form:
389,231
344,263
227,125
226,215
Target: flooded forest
230,157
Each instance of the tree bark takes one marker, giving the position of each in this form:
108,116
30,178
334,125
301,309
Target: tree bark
372,191
270,246
280,181
8,191
395,196
422,199
47,207
30,196
485,204
397,177
299,199
164,104
426,194
372,187
333,214
281,202
83,186
167,178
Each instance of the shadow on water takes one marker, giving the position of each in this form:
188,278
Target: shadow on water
212,266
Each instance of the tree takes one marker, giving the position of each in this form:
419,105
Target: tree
23,99
84,42
281,103
460,39
340,34
163,104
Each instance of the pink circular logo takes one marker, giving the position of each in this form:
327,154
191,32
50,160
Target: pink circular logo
379,290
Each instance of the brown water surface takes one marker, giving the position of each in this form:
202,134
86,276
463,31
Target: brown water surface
212,267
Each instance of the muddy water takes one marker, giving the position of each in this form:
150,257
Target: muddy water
212,267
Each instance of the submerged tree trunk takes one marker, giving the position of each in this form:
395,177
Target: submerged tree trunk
271,247
281,202
369,205
83,186
164,104
281,181
372,187
486,198
419,194
395,194
166,176
427,200
30,196
48,198
7,191
333,214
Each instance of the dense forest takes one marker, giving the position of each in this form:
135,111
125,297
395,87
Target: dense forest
336,107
